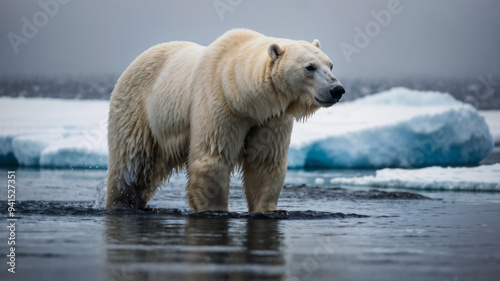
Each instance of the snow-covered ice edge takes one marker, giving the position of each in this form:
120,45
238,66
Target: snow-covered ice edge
53,133
481,178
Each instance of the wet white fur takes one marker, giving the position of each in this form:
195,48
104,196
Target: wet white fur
210,109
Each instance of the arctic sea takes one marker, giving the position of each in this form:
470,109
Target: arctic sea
398,184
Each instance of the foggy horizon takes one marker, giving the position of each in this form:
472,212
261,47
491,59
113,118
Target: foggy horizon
417,39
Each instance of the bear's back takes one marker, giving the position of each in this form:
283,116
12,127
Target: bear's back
170,100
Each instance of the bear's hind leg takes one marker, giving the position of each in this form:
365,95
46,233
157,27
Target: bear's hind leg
124,197
134,174
131,192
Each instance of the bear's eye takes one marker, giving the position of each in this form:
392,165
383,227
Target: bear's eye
311,67
331,66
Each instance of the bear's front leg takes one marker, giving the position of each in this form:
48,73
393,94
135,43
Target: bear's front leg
265,164
215,145
208,184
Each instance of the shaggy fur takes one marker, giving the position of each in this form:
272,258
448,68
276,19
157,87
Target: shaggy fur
210,109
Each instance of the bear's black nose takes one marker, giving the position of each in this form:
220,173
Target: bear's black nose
337,92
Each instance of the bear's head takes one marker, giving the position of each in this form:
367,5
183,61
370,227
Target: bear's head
304,73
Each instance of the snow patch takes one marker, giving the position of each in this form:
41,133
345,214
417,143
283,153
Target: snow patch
481,178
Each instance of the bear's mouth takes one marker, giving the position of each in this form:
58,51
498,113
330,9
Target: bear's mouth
325,103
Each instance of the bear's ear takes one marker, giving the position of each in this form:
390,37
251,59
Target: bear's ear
274,51
316,43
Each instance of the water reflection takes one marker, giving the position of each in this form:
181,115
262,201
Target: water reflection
145,247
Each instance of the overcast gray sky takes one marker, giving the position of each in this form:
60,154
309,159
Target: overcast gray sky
422,38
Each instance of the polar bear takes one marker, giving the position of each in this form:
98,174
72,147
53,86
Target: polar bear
211,110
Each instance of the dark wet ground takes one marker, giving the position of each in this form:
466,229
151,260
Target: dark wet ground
328,234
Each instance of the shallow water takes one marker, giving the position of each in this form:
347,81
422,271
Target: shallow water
329,234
